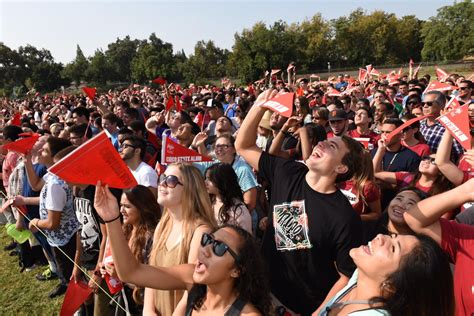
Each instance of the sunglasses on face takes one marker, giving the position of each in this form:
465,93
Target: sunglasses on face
223,146
169,181
428,103
428,158
219,248
463,88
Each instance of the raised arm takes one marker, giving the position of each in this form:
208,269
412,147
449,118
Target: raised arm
35,182
245,142
127,266
424,217
442,160
377,160
275,148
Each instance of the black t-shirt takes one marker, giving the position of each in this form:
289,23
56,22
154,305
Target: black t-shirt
308,231
403,160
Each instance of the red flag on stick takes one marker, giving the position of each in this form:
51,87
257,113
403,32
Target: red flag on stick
76,295
174,152
96,160
362,74
169,103
159,80
405,125
90,92
441,74
179,107
275,71
452,104
281,103
16,120
199,120
457,123
439,86
23,145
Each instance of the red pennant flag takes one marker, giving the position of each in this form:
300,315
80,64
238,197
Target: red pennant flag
179,107
96,160
333,92
275,71
405,125
169,103
23,145
439,86
375,73
90,92
452,104
281,103
362,74
441,74
199,120
173,152
76,295
114,285
16,120
159,80
457,123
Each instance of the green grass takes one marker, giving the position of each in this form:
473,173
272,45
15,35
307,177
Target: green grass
21,293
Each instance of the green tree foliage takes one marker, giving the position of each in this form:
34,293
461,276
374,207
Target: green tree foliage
154,58
450,34
13,71
76,70
99,70
120,55
208,61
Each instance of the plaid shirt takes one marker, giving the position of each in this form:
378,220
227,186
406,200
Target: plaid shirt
433,134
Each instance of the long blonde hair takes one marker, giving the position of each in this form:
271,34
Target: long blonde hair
362,175
196,209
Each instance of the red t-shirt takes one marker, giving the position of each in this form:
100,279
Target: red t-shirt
372,136
371,193
421,149
457,240
405,178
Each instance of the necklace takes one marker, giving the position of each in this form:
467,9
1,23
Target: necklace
342,304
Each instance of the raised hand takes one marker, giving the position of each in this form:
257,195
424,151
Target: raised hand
105,203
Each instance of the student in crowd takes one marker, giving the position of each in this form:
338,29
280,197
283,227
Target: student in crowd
226,196
412,138
305,198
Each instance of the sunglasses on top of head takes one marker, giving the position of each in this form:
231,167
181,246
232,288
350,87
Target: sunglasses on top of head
219,248
169,181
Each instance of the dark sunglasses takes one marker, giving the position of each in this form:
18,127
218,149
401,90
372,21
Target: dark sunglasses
463,88
219,248
429,103
428,158
169,181
413,103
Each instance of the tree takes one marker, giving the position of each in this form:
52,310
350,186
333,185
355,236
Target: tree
13,71
208,61
76,70
99,70
154,58
120,55
450,34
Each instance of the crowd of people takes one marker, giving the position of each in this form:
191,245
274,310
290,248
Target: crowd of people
320,213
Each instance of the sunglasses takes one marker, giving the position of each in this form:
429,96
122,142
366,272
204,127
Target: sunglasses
428,103
223,146
169,181
428,158
413,102
219,248
463,88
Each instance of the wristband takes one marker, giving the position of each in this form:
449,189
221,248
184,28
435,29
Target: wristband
112,220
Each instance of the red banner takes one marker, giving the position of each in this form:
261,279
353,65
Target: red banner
441,74
362,74
452,104
23,145
90,92
16,120
173,152
457,123
114,284
159,80
439,86
96,160
281,103
405,125
76,295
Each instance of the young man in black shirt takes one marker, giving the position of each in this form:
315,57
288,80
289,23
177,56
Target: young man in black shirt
307,243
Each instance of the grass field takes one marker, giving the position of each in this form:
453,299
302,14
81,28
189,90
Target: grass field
21,293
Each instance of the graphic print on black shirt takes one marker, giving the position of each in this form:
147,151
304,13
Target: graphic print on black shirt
90,232
291,226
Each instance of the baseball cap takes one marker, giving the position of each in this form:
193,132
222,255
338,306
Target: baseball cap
337,115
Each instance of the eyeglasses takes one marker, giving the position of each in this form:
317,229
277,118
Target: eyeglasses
463,88
169,181
315,118
428,103
219,248
428,158
125,146
222,146
413,102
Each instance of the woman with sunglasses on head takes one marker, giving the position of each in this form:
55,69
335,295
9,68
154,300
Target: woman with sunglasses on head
226,196
187,214
141,213
412,138
227,278
396,275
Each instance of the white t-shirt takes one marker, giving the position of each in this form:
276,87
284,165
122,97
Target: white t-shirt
145,175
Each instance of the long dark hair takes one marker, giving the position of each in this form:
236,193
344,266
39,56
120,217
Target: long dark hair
422,285
225,179
149,215
252,284
440,185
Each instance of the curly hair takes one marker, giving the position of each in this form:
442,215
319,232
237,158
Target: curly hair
425,265
223,176
252,284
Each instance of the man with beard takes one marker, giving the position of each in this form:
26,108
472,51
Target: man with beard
338,122
132,151
465,92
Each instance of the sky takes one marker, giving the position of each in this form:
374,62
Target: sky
61,25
